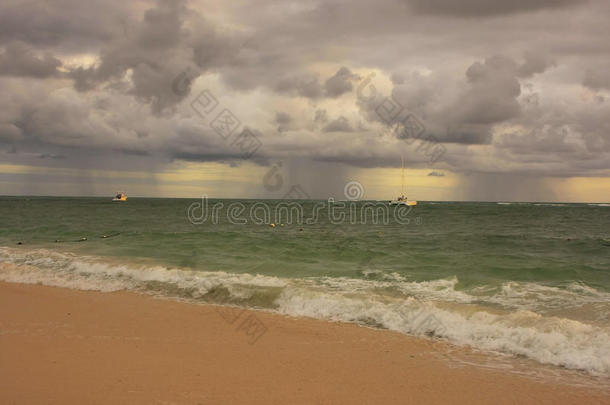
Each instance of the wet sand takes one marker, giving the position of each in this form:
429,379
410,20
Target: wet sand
62,346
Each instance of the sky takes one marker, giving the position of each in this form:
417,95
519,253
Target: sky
484,100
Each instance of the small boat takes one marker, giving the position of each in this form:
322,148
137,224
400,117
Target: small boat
120,197
402,200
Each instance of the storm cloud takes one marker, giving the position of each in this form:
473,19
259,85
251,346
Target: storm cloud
506,88
477,8
18,60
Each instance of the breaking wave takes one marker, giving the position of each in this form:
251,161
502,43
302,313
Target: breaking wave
515,318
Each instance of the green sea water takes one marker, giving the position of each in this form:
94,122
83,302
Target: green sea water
492,275
480,243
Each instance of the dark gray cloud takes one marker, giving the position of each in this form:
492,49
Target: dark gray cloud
70,24
340,83
492,94
51,156
534,63
597,79
340,124
154,55
283,118
320,116
462,111
306,85
18,60
478,8
309,86
163,54
283,121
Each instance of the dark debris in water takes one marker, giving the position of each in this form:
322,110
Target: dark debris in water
371,322
172,289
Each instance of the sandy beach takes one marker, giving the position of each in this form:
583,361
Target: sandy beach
72,347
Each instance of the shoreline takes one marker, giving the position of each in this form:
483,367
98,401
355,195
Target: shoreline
71,346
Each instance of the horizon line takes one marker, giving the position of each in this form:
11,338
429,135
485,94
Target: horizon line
301,199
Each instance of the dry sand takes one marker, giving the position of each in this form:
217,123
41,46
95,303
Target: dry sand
65,346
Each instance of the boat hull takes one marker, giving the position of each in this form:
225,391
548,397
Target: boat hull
409,203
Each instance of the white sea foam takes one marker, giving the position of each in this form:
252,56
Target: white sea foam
549,340
441,289
541,298
430,308
88,273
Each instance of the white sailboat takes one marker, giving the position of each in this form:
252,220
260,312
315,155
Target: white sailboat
403,200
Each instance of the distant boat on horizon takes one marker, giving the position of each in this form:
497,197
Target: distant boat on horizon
120,197
403,200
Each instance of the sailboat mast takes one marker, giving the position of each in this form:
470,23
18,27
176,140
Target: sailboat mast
402,160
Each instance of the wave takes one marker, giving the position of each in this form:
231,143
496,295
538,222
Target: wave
550,340
546,299
383,300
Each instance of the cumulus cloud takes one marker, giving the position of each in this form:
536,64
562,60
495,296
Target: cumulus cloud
157,62
492,94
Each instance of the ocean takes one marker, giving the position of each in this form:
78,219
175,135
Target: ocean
524,279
